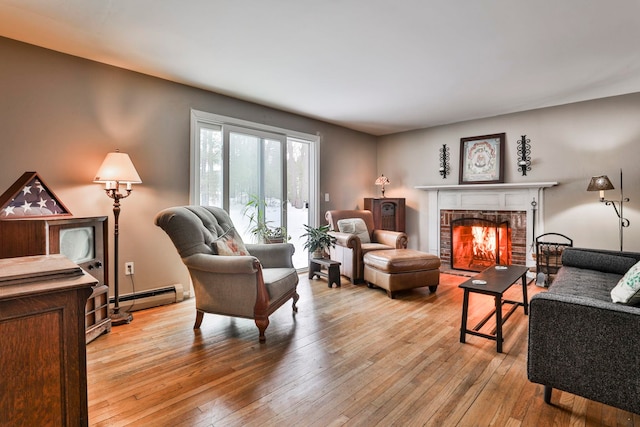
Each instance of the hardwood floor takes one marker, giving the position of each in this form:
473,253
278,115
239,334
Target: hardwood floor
350,356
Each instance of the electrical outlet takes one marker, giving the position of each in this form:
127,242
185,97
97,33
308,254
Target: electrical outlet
128,268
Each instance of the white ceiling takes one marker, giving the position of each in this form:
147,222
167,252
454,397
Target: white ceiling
379,66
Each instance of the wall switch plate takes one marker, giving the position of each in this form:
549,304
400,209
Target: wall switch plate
326,197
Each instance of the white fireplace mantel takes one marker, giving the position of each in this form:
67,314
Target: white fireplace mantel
520,196
503,186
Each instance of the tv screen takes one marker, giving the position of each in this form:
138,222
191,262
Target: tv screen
77,244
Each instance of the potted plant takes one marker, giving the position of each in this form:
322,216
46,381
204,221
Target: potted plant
259,227
318,240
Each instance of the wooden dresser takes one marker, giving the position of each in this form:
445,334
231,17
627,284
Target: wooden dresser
43,365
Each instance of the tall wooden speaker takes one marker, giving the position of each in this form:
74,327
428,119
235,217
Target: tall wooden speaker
388,213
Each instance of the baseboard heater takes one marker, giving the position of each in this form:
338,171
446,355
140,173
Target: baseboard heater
151,298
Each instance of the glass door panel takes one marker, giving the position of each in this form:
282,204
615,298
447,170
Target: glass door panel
256,182
298,185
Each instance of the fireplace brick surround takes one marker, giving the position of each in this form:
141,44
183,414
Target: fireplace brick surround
517,222
522,204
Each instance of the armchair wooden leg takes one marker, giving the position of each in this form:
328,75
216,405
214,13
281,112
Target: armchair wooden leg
295,300
262,326
199,316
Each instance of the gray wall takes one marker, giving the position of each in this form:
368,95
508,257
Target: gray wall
60,115
569,143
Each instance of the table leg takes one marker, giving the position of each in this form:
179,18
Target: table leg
465,309
499,322
525,300
334,275
313,268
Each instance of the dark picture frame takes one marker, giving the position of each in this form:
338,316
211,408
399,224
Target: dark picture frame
482,159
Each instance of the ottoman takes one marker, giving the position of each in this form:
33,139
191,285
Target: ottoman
399,269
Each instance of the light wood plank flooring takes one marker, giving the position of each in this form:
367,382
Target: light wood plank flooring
350,356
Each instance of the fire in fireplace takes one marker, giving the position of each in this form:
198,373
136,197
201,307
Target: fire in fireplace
478,243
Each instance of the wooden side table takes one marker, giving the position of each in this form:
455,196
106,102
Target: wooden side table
494,281
333,270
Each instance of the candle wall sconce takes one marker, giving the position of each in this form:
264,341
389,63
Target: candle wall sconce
445,168
524,155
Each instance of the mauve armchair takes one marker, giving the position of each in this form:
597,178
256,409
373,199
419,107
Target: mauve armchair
251,286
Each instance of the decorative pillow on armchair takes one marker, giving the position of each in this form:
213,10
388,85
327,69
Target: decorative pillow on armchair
627,291
230,243
355,226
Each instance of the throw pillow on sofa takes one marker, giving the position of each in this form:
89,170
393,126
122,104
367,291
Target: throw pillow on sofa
627,291
230,243
355,226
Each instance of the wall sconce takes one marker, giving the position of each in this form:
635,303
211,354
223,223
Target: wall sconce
382,180
116,170
524,155
445,168
601,184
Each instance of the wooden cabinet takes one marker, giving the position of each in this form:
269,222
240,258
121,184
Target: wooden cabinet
388,213
82,240
43,365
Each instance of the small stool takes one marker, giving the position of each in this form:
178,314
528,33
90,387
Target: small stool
333,270
400,269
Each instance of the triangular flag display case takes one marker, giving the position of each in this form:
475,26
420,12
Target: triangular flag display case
30,197
33,221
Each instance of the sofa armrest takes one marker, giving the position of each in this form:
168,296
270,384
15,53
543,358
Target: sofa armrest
395,239
586,347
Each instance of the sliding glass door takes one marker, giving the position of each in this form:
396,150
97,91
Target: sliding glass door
267,175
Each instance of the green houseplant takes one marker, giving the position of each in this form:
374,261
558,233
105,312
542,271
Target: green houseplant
318,240
259,227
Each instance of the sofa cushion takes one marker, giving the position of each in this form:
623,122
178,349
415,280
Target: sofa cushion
627,291
401,260
584,283
355,226
230,243
607,263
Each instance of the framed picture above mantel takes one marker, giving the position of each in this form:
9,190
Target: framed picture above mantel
482,159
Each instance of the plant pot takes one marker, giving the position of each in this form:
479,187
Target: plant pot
318,253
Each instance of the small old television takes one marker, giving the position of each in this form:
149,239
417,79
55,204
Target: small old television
82,240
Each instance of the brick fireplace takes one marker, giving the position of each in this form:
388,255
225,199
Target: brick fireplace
518,204
501,238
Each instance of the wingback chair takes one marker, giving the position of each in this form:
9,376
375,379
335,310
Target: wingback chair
251,283
350,249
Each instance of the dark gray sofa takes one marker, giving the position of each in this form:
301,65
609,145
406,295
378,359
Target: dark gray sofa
579,340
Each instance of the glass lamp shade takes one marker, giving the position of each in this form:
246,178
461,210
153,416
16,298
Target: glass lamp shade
600,183
382,180
117,167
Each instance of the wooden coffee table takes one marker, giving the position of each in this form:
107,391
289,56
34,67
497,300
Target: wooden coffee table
498,280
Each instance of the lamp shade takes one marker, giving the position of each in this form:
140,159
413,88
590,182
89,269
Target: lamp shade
600,183
382,180
118,167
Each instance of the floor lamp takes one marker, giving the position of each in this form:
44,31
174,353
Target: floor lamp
602,183
117,170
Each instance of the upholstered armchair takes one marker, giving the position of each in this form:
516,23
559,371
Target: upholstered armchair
230,278
350,248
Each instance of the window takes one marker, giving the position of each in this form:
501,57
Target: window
234,162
